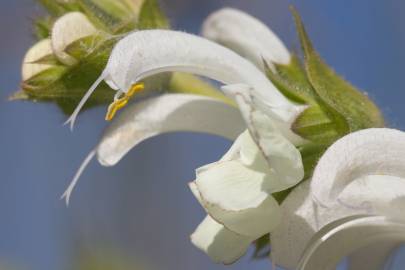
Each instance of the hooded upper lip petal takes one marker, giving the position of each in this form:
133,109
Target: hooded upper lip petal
154,51
378,151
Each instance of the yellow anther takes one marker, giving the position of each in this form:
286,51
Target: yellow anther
121,102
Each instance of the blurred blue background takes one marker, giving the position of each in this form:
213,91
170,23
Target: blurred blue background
142,207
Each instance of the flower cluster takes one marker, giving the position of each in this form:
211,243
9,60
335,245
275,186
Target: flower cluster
282,114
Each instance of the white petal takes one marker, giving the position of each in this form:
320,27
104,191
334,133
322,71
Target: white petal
167,113
67,29
145,53
366,152
338,240
232,186
238,198
220,244
41,49
280,154
246,35
303,217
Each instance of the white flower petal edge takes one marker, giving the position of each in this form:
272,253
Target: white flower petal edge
246,35
162,114
362,189
219,243
378,151
145,53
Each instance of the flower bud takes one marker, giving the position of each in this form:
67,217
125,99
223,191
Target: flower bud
67,29
30,66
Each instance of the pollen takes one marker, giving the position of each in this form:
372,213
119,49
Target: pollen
121,102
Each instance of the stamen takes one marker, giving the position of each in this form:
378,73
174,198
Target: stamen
121,102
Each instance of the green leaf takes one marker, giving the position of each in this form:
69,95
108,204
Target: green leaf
151,16
341,98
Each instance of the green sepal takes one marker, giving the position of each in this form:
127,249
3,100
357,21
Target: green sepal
58,8
102,15
44,78
49,59
317,122
42,27
66,85
152,17
82,47
314,125
292,81
69,88
340,96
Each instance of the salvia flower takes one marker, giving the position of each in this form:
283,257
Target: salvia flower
235,191
281,112
352,206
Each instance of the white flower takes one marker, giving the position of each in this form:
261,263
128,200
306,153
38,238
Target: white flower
235,191
353,204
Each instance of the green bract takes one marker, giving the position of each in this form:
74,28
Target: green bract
335,107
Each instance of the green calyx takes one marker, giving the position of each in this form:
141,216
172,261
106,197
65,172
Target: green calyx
65,84
64,77
335,107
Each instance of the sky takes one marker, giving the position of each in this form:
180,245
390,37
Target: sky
142,207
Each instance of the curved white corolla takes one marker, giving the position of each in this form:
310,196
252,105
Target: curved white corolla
145,53
360,174
235,191
158,115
